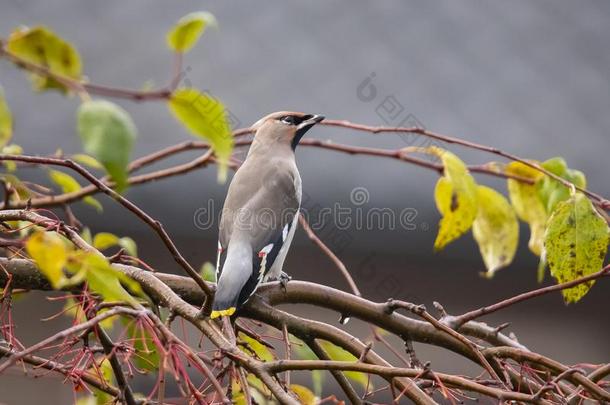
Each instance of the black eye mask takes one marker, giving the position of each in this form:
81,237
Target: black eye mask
293,119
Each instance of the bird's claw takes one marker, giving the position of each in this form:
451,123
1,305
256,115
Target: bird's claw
284,279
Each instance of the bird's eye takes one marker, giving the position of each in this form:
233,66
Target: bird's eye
287,119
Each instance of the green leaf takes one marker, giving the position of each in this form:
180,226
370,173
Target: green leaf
338,354
527,203
303,352
185,34
205,117
576,242
66,182
41,46
6,121
556,165
259,391
147,356
106,281
108,133
86,235
87,160
107,375
255,348
456,198
106,240
23,192
49,252
552,191
208,272
495,229
129,245
94,203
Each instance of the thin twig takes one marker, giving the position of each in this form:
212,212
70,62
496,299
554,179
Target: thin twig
456,381
338,263
156,225
420,310
601,202
15,357
477,313
338,375
109,350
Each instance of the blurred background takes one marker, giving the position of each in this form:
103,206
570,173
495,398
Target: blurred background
528,77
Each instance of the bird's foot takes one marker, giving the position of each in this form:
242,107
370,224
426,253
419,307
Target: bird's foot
284,279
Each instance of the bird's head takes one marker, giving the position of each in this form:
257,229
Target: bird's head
284,127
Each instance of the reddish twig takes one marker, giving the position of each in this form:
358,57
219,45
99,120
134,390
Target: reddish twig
146,218
68,332
477,313
338,263
602,202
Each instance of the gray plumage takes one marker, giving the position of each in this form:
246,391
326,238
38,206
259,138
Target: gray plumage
260,213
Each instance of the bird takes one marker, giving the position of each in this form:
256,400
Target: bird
260,212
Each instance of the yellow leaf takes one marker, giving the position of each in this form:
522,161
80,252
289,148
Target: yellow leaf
106,281
185,34
338,354
208,272
87,160
11,149
41,46
49,252
205,117
303,352
94,203
129,245
66,182
527,203
306,397
23,192
259,391
456,198
90,400
105,240
576,242
6,121
495,229
253,347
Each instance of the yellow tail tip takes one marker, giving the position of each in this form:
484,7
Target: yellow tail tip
224,312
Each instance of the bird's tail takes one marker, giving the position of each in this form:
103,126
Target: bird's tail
235,273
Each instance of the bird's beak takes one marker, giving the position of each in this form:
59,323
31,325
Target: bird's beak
310,121
304,126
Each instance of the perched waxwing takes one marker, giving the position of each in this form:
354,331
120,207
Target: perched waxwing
261,210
